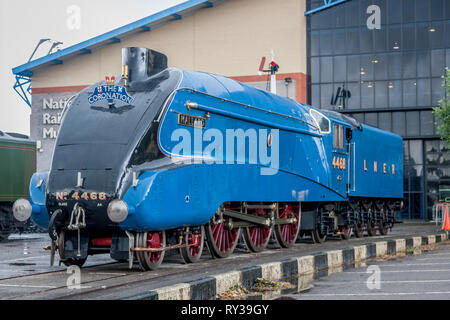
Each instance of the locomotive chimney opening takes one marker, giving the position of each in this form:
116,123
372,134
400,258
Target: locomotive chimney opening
140,63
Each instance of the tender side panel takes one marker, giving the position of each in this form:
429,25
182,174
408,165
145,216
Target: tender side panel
377,164
17,165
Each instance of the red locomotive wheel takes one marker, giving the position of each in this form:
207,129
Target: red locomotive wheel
383,229
346,233
257,238
318,237
286,234
153,240
221,240
195,242
358,230
372,229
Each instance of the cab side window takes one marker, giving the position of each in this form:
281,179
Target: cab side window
338,137
335,136
341,137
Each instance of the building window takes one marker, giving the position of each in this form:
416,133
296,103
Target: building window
394,76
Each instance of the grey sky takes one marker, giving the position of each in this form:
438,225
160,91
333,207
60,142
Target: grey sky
23,23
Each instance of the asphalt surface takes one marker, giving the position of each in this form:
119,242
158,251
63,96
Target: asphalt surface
425,276
24,255
25,272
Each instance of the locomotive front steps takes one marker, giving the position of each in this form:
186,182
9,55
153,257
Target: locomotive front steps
298,272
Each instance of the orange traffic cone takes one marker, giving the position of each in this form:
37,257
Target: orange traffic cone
446,224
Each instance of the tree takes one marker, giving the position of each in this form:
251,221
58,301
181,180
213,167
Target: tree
443,111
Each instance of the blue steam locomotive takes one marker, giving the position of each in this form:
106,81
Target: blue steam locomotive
165,159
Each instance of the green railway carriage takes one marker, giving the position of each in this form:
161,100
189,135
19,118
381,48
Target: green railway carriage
17,165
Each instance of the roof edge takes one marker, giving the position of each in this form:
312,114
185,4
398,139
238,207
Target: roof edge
26,68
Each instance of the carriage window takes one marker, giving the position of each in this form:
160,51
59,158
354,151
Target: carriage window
322,122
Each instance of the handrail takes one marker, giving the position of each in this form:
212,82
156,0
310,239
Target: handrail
251,107
249,119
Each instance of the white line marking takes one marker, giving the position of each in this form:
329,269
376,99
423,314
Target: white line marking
438,254
414,264
80,288
382,282
26,286
17,271
109,273
373,294
404,271
21,259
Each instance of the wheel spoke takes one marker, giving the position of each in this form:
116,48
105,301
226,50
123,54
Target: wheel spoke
227,239
258,240
230,239
216,230
221,239
257,237
221,235
290,232
253,233
286,234
194,241
224,239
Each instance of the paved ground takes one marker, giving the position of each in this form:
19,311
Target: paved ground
24,255
25,271
424,277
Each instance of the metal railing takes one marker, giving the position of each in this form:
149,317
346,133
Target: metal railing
439,211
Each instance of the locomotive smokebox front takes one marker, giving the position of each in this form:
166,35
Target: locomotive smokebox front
138,64
91,168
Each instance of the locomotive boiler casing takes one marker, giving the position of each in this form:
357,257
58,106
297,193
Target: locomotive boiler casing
191,194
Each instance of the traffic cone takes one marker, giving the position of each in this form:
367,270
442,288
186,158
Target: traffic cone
446,224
